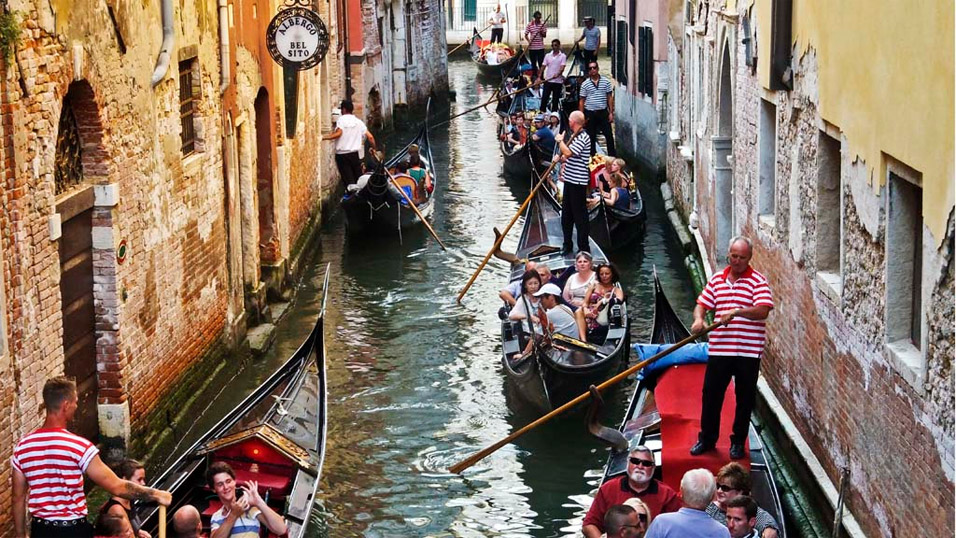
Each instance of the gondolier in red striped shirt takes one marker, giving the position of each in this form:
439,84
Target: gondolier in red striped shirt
50,464
741,300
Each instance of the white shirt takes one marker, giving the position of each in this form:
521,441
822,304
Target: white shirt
554,66
497,19
353,135
563,321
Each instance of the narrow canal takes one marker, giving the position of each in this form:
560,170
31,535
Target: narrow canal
415,381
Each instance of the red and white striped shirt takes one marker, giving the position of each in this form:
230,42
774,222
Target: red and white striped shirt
742,337
536,33
53,462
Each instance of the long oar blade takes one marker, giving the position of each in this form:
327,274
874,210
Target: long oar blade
478,456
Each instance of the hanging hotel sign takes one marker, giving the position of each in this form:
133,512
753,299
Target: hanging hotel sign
297,37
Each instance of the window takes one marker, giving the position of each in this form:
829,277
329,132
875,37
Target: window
904,261
620,53
188,100
409,21
829,209
645,60
768,158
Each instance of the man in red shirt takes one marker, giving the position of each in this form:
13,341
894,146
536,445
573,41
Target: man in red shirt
638,482
741,300
50,463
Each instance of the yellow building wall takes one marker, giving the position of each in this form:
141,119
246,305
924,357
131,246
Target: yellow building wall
886,80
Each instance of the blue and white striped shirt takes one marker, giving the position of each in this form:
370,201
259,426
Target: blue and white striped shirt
246,526
576,168
595,95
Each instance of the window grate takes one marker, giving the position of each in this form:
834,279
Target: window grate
187,106
68,171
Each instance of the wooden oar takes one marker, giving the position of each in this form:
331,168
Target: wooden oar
411,203
501,237
493,99
475,458
162,521
467,41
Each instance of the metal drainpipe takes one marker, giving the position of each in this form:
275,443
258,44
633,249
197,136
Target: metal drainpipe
162,62
345,37
224,59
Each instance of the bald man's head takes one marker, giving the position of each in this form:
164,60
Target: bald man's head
576,119
187,523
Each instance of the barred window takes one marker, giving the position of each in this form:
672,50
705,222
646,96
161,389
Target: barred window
188,100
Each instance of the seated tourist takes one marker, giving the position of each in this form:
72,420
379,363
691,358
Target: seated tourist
526,308
561,319
187,522
733,480
577,284
554,123
418,172
133,471
600,294
543,136
241,515
112,526
509,294
621,521
511,135
544,272
415,151
742,517
643,513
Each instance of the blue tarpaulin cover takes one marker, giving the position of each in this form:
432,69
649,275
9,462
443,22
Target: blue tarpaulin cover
689,354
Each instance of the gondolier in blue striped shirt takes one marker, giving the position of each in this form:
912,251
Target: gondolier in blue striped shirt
596,100
574,211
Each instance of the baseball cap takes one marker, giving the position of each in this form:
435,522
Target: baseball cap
539,117
548,288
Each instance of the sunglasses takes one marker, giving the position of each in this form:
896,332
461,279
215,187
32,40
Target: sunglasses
642,462
725,488
592,67
642,517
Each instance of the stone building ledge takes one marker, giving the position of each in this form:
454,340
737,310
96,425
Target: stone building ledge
831,284
908,361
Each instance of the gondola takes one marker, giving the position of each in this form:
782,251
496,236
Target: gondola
615,227
374,203
664,414
551,376
495,70
275,436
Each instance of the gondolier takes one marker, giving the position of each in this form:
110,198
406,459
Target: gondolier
591,35
596,100
535,32
553,63
48,467
497,21
741,300
574,209
350,135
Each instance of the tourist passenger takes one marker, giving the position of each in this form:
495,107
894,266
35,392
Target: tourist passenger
560,317
578,283
56,501
742,517
527,305
543,136
133,471
697,489
741,298
241,516
575,155
497,21
544,272
350,135
617,167
511,135
554,63
596,100
601,292
113,526
591,35
617,196
621,521
643,513
187,523
509,294
733,481
535,32
418,172
554,123
638,482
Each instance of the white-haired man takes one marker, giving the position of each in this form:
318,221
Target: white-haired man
697,489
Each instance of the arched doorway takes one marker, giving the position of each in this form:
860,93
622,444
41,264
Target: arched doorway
723,150
268,242
77,159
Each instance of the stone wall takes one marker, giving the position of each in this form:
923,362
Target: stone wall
828,360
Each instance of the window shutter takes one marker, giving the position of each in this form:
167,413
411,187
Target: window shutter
620,57
641,32
649,61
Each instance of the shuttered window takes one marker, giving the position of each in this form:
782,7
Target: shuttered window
620,52
645,60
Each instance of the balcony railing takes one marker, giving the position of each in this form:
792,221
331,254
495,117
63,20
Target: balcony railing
592,8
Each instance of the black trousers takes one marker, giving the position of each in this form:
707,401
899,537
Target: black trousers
536,57
744,370
551,90
497,34
41,528
574,214
586,57
598,121
350,166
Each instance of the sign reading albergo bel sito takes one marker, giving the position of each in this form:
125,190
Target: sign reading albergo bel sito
297,37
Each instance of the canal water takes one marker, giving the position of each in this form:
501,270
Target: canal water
415,381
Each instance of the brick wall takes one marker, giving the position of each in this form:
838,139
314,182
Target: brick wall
826,359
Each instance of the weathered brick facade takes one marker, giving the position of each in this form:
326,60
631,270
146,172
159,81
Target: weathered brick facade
166,224
830,358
